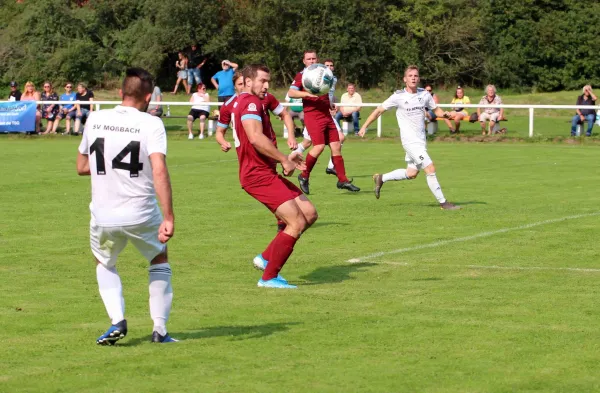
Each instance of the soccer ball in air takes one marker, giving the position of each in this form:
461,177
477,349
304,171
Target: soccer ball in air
317,79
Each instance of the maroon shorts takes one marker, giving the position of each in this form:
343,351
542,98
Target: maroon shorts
322,130
273,192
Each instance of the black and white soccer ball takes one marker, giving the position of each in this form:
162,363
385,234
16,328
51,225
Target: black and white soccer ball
317,79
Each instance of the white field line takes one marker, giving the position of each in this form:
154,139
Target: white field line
493,267
468,238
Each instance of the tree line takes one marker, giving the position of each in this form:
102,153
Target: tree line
541,45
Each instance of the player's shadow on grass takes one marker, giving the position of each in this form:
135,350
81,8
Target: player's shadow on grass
460,203
233,332
333,274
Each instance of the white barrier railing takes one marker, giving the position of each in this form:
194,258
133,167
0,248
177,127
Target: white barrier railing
531,107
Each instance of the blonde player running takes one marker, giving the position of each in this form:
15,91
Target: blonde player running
411,103
124,150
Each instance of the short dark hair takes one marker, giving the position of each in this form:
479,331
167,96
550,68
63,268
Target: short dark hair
309,51
328,61
138,83
251,71
236,75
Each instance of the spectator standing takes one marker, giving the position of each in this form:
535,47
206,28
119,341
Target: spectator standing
350,97
15,93
155,109
83,110
195,62
458,113
67,111
32,95
182,73
198,111
493,115
587,115
223,81
429,113
49,111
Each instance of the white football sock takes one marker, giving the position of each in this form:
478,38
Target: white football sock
161,295
300,148
398,174
435,188
111,291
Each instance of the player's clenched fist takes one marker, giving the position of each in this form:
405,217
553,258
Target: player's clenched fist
166,231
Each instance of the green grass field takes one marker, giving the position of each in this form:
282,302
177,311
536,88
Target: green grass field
500,296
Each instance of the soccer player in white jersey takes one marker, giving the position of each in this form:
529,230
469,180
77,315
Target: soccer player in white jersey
124,150
411,104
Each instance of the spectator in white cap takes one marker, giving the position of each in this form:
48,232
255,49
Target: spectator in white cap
223,81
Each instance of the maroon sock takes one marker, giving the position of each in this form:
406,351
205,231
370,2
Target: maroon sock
338,164
268,251
310,163
283,245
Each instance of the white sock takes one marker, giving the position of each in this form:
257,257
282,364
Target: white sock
398,174
435,188
161,295
111,291
300,148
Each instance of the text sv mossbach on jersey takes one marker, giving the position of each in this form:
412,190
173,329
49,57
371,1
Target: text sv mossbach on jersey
106,127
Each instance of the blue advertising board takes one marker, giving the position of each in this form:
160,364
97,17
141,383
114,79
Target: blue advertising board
17,116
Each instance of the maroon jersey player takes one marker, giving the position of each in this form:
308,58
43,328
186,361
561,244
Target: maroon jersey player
321,128
258,157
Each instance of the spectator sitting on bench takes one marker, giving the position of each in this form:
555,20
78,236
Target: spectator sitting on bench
351,97
155,109
458,113
493,115
296,111
199,110
429,114
588,115
83,111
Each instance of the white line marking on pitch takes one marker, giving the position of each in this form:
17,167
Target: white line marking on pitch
572,269
468,238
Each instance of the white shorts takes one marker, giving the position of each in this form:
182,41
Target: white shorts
307,137
108,242
489,116
417,156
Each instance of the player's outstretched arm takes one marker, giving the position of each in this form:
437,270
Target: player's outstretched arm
220,138
372,117
289,124
295,93
162,186
83,165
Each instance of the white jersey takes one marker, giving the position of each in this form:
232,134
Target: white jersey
119,142
410,112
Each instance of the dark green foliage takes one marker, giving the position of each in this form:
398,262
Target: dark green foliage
539,44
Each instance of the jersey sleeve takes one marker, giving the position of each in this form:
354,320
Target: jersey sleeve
224,116
84,146
466,100
251,110
274,105
391,102
297,83
157,140
430,102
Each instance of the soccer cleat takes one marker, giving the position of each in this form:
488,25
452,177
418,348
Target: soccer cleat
190,136
113,334
304,184
449,206
347,185
275,283
157,338
331,171
378,179
259,262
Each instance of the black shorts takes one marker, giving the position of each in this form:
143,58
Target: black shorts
196,113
